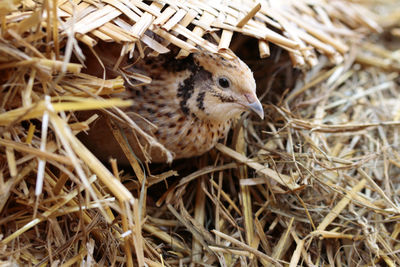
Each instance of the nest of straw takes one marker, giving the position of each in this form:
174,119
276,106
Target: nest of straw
316,183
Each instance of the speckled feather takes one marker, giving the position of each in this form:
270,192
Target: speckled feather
184,107
164,103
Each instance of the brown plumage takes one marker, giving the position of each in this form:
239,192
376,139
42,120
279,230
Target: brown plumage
188,106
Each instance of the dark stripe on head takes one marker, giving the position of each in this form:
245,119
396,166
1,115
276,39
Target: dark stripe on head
198,77
223,98
185,91
200,100
226,99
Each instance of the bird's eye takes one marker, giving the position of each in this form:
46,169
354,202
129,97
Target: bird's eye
224,82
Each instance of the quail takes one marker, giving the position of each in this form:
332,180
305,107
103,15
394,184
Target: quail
188,106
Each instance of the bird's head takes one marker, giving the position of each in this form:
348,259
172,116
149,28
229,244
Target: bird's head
222,88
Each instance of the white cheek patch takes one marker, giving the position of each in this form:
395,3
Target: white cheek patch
217,110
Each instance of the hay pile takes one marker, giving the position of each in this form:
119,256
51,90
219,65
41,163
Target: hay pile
316,183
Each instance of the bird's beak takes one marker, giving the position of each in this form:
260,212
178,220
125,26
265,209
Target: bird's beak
255,105
257,108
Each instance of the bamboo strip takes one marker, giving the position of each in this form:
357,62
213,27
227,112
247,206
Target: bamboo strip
249,15
145,20
225,41
96,19
165,16
176,18
124,9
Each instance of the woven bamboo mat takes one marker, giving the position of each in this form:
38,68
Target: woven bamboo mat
300,27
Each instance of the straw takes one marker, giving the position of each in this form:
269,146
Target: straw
315,183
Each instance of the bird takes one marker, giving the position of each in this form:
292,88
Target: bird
188,106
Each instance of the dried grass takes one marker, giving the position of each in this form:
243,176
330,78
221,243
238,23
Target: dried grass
316,183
